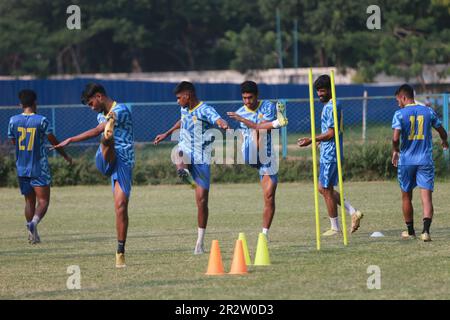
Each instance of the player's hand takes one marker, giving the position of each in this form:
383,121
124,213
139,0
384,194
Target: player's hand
62,144
395,157
69,160
445,145
234,116
159,138
222,124
304,142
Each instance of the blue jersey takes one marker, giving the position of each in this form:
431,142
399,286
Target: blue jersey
30,132
123,133
415,122
265,112
194,140
328,148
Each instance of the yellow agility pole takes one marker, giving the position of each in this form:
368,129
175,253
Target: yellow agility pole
314,156
337,128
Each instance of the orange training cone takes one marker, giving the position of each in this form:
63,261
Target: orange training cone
215,264
238,266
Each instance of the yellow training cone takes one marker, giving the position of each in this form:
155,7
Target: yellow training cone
238,265
262,252
245,247
215,264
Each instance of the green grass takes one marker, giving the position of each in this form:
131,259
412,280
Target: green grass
79,230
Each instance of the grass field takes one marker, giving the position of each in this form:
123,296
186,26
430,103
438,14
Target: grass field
79,230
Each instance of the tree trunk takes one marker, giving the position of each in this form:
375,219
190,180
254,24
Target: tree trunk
422,82
60,60
189,54
136,66
14,63
323,57
75,62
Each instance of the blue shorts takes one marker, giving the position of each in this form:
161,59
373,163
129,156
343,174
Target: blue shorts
201,173
328,175
410,176
117,170
265,171
268,171
27,184
273,177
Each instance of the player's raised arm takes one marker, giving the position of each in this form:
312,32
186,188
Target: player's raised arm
162,136
52,139
89,134
258,126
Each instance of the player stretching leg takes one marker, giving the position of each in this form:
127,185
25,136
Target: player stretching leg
260,115
115,155
196,118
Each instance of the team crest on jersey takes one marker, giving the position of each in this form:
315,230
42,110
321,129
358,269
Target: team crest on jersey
194,119
260,116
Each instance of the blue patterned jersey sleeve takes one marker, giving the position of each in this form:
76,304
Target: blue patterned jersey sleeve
101,118
209,114
269,111
435,121
11,129
397,121
329,117
241,112
121,114
45,126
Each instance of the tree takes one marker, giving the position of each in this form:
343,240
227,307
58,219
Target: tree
165,35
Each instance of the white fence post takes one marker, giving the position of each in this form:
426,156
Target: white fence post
364,116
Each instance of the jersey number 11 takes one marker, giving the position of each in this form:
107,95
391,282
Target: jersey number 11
419,135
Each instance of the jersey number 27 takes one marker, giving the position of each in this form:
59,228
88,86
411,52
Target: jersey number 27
23,134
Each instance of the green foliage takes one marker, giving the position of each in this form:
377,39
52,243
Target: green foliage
149,35
250,47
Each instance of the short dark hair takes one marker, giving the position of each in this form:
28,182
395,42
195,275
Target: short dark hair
249,87
90,90
27,97
184,86
405,89
323,82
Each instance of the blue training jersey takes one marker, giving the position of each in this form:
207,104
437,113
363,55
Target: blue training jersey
328,148
123,133
415,122
30,132
265,112
194,140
